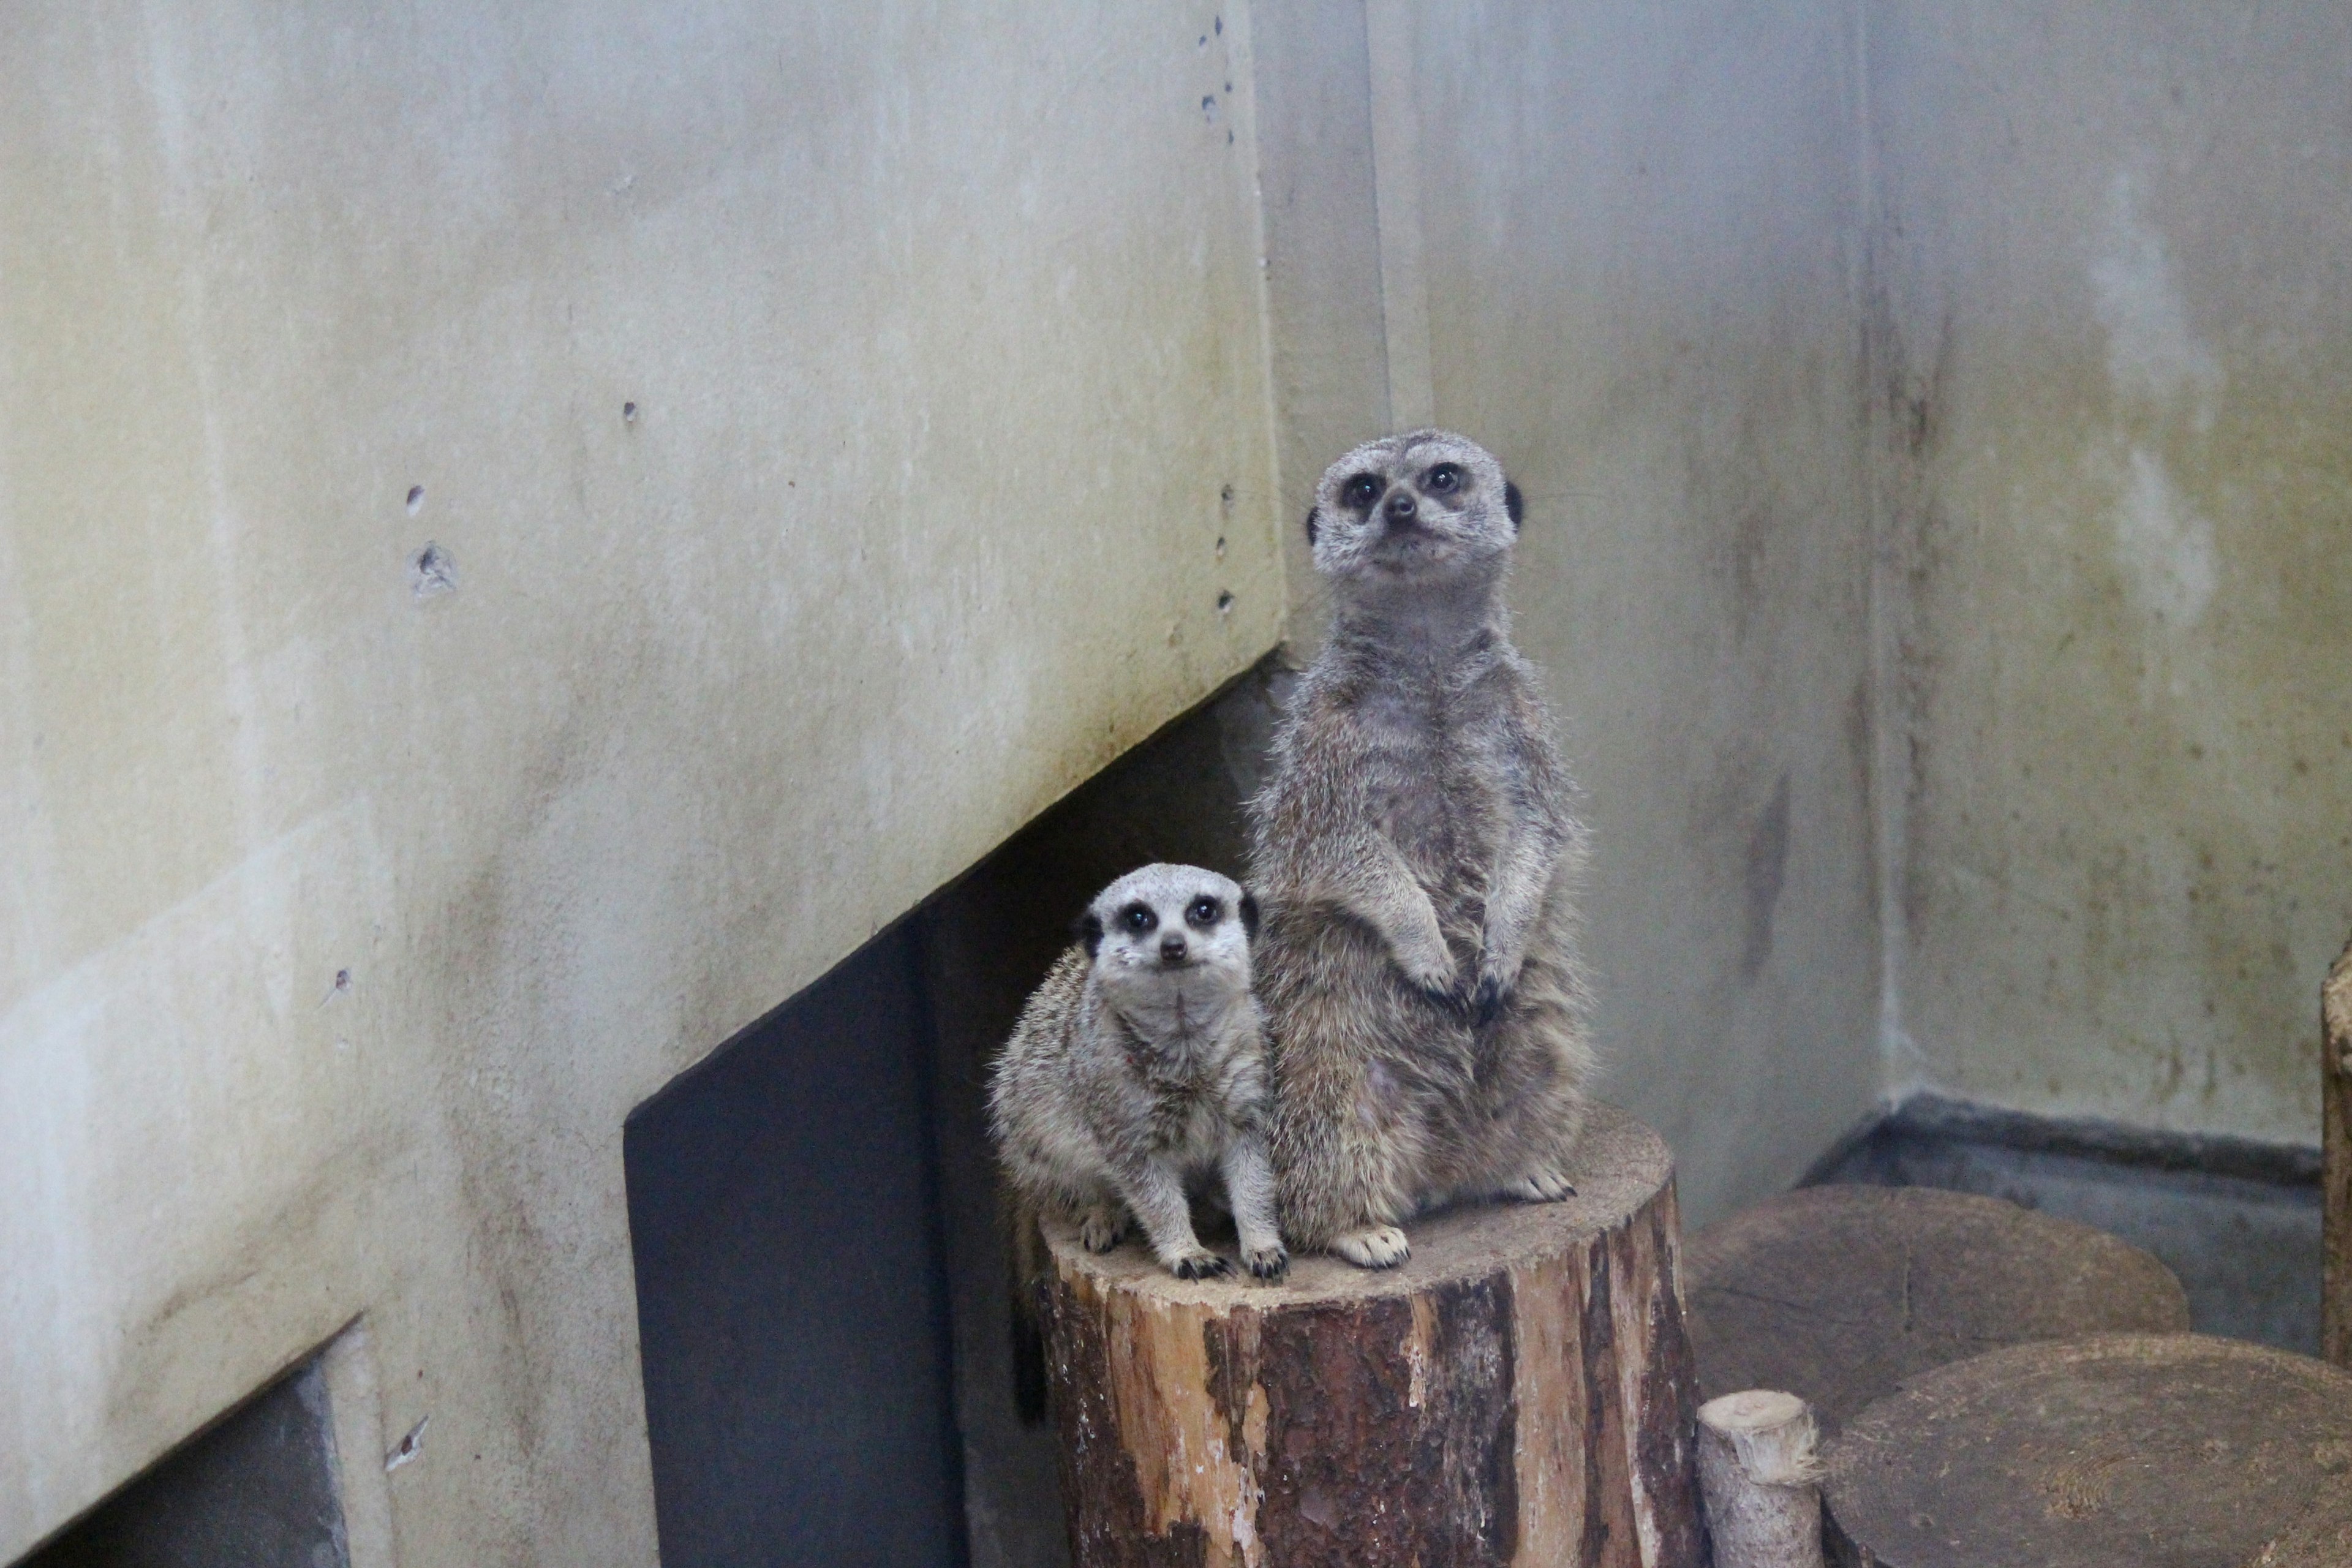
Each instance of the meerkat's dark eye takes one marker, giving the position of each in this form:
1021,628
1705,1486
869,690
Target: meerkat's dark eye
1138,917
1204,911
1443,479
1362,491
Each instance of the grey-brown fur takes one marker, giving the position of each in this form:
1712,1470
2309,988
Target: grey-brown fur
1416,854
1136,1078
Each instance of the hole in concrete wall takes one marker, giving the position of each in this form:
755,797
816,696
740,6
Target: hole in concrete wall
255,1489
792,1301
415,499
833,1368
982,944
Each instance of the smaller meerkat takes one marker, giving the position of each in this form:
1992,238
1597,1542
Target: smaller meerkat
1136,1078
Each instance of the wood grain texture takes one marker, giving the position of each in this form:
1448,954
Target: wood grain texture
1518,1392
2336,1093
2159,1450
1839,1294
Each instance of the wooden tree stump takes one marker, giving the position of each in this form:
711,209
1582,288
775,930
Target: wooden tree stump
1839,1294
1760,1475
1519,1392
2335,1094
2157,1450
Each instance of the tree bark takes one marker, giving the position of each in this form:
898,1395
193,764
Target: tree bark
1761,1477
2335,1094
1518,1392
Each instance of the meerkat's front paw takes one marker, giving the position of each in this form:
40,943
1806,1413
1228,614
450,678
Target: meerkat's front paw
1268,1263
1486,1001
1372,1247
1199,1264
1430,975
1541,1187
1498,976
1102,1227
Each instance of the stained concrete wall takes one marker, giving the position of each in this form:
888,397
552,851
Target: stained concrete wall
1619,247
835,431
525,537
2112,252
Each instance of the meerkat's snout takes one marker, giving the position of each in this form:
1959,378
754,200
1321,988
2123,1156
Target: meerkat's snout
1402,508
1171,948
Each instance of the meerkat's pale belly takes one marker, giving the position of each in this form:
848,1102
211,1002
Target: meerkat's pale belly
1436,805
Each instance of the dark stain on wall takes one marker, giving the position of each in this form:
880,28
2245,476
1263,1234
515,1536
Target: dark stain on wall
1764,875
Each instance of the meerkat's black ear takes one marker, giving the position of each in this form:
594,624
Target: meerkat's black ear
1089,929
1313,524
1513,504
1249,912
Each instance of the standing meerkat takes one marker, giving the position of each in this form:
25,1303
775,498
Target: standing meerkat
1136,1078
1416,852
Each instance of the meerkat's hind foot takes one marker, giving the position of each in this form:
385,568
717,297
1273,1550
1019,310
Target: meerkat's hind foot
1199,1264
1267,1263
1372,1247
1539,1187
1102,1227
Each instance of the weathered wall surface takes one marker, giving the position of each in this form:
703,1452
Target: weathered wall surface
353,893
2113,375
1631,275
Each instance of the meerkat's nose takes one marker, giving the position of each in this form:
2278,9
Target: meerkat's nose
1401,505
1171,949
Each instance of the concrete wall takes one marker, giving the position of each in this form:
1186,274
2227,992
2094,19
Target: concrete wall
2112,257
351,903
1619,247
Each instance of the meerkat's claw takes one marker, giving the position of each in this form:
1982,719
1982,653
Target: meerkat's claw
1541,1187
1442,995
1486,1002
1268,1263
1101,1228
1202,1265
1373,1247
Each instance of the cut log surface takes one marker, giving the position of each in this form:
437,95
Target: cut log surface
1840,1294
1518,1392
2157,1450
2336,1093
2320,1538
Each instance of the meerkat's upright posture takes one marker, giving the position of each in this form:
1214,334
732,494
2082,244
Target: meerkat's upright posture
1415,850
1136,1077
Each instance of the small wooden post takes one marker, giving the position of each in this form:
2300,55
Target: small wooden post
1762,1477
1518,1392
2336,1093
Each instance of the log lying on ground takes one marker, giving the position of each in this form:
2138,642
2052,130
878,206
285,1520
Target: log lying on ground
1761,1476
2335,1092
1839,1294
2157,1450
1519,1392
